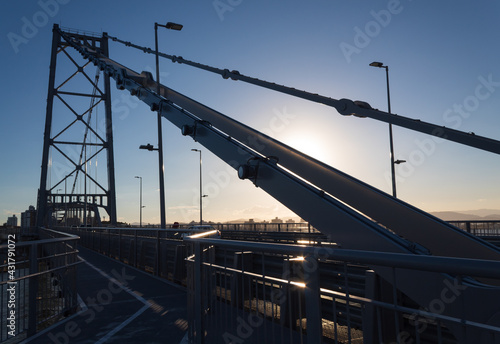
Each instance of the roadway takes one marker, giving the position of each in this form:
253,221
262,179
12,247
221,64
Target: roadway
120,304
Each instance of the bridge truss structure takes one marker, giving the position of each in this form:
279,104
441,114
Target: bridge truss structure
78,134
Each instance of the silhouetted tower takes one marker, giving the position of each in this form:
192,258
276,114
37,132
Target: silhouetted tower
78,134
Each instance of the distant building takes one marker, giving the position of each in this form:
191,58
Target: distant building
12,221
290,221
276,220
28,218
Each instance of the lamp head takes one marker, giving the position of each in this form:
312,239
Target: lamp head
149,147
377,64
174,26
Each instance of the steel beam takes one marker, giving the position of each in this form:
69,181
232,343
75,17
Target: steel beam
45,192
42,191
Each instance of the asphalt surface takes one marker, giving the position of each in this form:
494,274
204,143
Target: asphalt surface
120,304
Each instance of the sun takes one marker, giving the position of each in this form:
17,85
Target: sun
309,145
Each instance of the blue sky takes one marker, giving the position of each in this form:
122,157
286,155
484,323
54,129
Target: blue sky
443,58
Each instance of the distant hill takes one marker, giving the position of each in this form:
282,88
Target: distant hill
484,213
469,215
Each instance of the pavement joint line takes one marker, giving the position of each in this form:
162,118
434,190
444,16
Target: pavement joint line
118,283
82,304
161,279
146,303
122,325
185,339
84,307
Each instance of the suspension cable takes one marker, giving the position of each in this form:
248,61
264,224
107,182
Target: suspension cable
343,106
234,75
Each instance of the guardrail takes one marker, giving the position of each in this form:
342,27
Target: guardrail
302,227
479,228
246,292
37,284
267,227
157,251
163,252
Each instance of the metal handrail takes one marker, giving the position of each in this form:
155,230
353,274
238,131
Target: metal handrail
36,305
242,287
459,266
41,273
70,237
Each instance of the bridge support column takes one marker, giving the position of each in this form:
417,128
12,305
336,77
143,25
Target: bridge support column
73,151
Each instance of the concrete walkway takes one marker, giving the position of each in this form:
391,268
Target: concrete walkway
119,304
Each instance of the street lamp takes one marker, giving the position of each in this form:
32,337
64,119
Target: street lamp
391,144
201,189
140,200
177,27
148,147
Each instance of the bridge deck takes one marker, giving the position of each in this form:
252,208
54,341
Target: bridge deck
119,304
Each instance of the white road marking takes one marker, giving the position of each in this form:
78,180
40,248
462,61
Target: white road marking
122,325
185,339
126,289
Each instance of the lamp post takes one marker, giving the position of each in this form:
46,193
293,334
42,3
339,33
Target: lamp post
177,27
391,144
201,189
140,200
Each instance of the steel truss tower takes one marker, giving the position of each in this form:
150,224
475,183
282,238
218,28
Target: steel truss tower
75,138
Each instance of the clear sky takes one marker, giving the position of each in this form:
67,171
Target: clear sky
443,58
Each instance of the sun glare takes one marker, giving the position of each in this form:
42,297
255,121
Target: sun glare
311,146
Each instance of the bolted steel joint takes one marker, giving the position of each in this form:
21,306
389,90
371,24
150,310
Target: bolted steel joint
247,172
187,130
155,107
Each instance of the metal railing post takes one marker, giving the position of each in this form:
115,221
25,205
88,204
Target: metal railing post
197,294
33,290
158,255
120,245
313,301
136,244
109,243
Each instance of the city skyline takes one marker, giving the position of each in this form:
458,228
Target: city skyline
442,71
